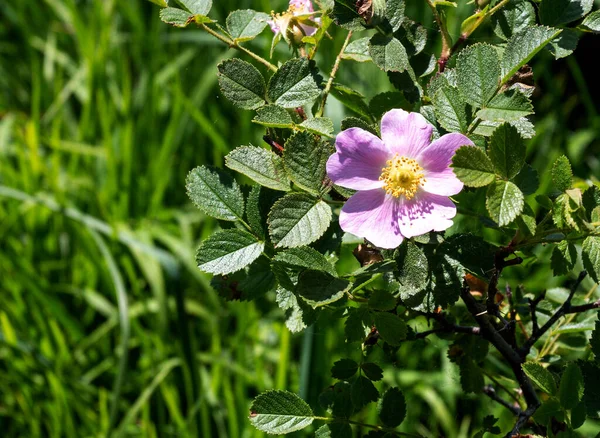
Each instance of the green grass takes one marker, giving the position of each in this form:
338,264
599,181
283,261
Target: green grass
107,328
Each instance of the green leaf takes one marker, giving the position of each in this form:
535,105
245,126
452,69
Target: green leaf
591,200
372,371
242,83
571,387
513,18
473,167
564,44
228,251
595,341
319,288
297,220
557,12
527,222
176,17
273,116
523,46
450,109
383,102
550,409
391,328
392,408
343,369
334,430
394,13
215,193
591,256
244,25
345,15
472,252
305,257
509,106
564,257
527,180
161,3
591,393
413,267
197,7
363,392
299,314
504,202
562,175
507,151
294,84
280,412
305,159
540,376
478,74
388,53
358,50
471,376
260,165
592,22
258,204
319,125
338,399
355,122
382,300
578,415
351,99
357,320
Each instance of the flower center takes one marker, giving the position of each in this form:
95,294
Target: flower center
402,176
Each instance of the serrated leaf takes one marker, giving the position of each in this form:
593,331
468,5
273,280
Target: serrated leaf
557,12
305,160
595,341
260,165
528,180
305,257
351,99
294,84
564,257
334,430
591,256
392,408
473,167
355,122
280,412
345,15
471,376
509,106
504,202
273,116
507,151
338,399
564,44
372,371
562,175
358,50
228,251
388,53
319,288
413,267
197,7
540,376
450,109
449,276
592,22
383,102
343,369
297,220
391,328
382,300
246,24
591,200
478,74
472,252
394,13
523,46
176,17
413,36
258,204
357,320
591,393
242,83
513,18
570,391
215,193
319,125
299,315
549,409
363,392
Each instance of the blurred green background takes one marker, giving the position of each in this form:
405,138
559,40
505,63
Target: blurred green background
106,325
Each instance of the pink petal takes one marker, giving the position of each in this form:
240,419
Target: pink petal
435,160
425,212
405,133
302,5
373,215
359,159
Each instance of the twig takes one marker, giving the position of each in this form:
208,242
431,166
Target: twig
446,39
564,309
491,393
533,309
451,328
334,70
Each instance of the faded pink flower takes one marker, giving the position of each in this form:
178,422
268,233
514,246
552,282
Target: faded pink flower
403,179
299,13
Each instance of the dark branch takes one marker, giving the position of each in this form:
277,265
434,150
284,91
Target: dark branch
451,328
491,393
564,309
584,307
533,308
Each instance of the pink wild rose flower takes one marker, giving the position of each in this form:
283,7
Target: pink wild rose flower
300,11
403,179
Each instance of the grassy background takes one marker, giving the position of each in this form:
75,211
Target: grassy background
103,111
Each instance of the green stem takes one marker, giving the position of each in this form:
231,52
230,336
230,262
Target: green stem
334,70
446,38
367,425
233,44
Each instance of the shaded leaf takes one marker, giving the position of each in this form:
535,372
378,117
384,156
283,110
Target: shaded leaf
507,151
557,12
570,391
590,251
242,83
343,369
391,328
305,257
392,407
363,392
564,257
319,288
540,376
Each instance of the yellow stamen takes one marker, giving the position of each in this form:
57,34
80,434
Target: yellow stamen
402,177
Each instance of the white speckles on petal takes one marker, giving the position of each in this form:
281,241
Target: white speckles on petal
425,212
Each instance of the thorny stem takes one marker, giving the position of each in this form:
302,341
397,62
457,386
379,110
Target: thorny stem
234,45
334,70
446,39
